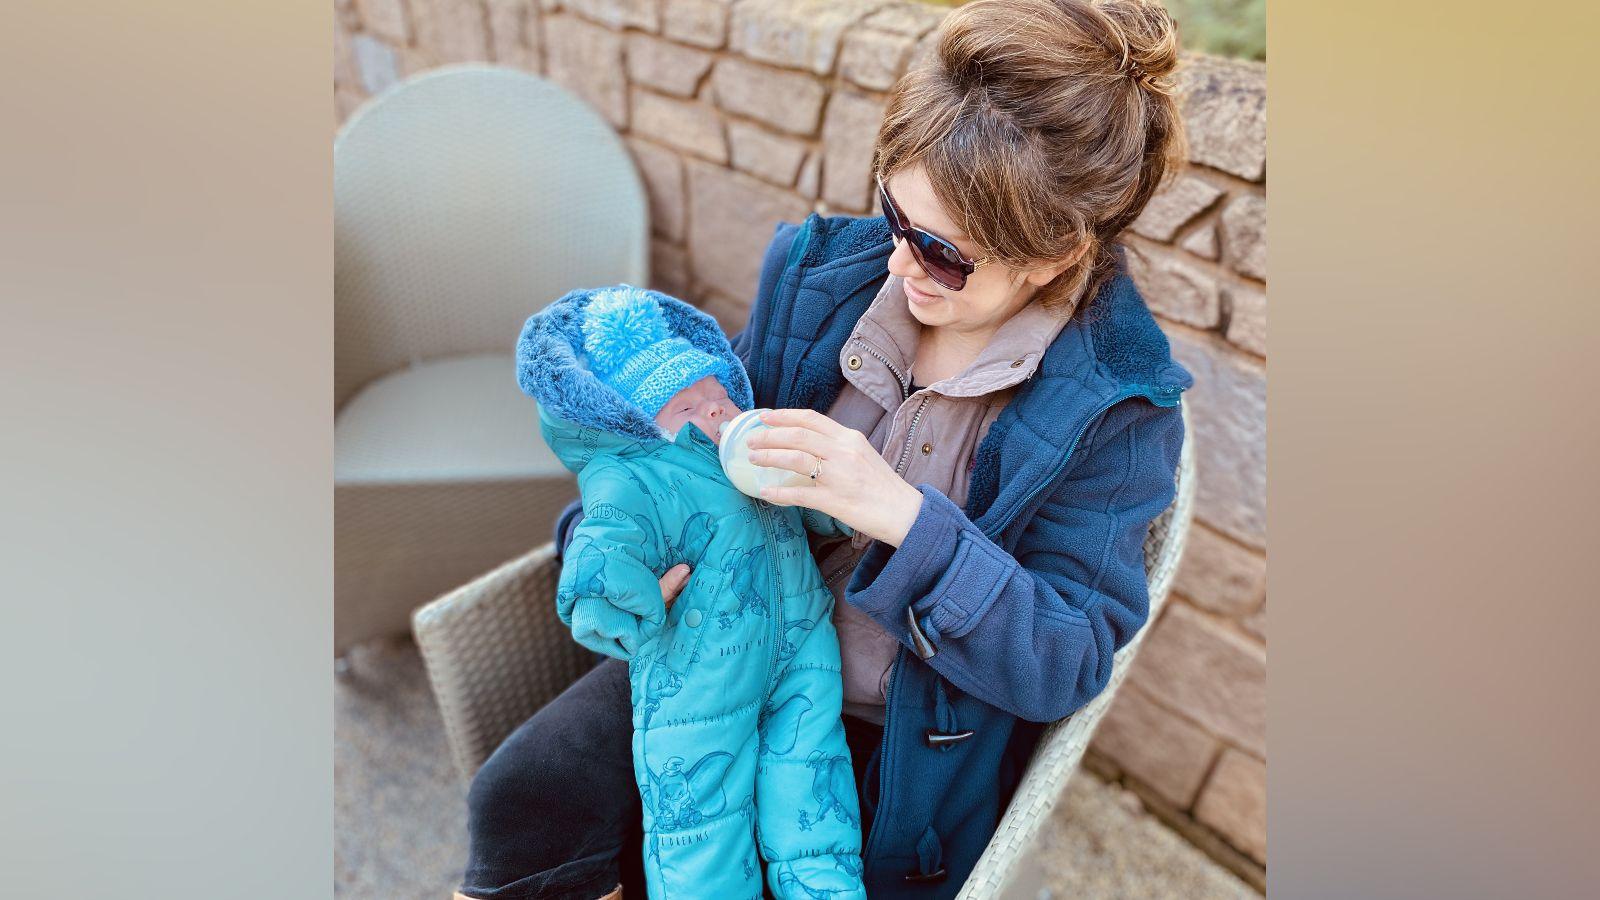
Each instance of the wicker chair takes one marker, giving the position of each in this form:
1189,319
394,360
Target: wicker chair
496,653
465,199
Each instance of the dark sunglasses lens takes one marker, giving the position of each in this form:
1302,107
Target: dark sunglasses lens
940,259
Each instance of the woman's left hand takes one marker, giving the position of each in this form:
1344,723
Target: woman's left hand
854,485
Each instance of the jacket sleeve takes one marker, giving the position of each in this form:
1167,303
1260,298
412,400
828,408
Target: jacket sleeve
610,590
1034,631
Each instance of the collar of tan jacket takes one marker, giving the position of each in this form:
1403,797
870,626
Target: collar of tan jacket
891,333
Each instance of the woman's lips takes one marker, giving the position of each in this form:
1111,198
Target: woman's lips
920,298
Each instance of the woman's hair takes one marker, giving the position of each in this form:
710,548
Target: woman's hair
1043,126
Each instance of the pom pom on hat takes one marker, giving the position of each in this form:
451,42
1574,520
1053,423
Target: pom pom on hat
632,350
619,323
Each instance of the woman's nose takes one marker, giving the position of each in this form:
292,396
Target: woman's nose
903,263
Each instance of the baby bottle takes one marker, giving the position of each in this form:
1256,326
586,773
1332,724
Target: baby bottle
734,453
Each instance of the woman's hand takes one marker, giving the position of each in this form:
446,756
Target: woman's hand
672,583
855,485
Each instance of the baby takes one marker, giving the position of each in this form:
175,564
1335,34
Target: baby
738,746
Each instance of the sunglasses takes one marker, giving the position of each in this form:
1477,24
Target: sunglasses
938,257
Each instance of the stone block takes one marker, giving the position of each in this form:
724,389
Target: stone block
1155,745
730,314
376,63
1175,207
1228,415
1235,802
1225,111
810,180
1219,575
703,23
416,59
766,155
791,101
619,14
665,66
669,269
849,131
731,221
911,19
689,125
385,18
1244,236
874,59
1196,664
799,34
587,59
1256,623
454,30
346,71
1174,289
346,101
508,34
662,171
1247,320
1203,243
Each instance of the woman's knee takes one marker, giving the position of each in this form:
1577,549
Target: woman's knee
524,787
556,800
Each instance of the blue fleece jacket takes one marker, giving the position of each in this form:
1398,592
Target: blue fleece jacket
1008,609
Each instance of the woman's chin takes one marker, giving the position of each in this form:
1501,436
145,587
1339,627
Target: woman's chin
931,314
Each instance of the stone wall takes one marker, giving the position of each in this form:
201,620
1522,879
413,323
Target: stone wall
744,113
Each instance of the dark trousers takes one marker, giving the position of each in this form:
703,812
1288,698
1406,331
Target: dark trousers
555,812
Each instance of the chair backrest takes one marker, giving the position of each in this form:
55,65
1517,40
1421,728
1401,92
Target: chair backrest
465,199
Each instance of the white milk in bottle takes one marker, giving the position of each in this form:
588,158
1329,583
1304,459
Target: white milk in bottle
734,452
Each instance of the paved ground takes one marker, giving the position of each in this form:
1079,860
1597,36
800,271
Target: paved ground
400,829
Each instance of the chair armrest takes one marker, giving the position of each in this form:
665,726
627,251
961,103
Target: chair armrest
496,653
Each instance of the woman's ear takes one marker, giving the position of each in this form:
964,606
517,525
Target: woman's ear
1046,274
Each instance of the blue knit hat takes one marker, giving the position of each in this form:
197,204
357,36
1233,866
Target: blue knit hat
632,350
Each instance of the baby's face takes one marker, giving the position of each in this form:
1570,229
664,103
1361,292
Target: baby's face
704,403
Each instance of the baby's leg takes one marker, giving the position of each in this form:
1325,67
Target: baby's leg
805,787
695,767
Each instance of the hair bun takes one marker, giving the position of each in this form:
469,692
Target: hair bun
1010,49
1148,36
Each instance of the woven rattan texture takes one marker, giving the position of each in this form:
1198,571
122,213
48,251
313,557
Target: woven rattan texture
496,653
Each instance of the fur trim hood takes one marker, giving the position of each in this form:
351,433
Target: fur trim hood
580,415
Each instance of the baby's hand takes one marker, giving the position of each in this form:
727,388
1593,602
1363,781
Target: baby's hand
672,583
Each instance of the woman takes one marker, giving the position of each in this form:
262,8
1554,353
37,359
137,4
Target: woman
1000,428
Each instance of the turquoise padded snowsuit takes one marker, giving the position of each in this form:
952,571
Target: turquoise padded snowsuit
738,746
